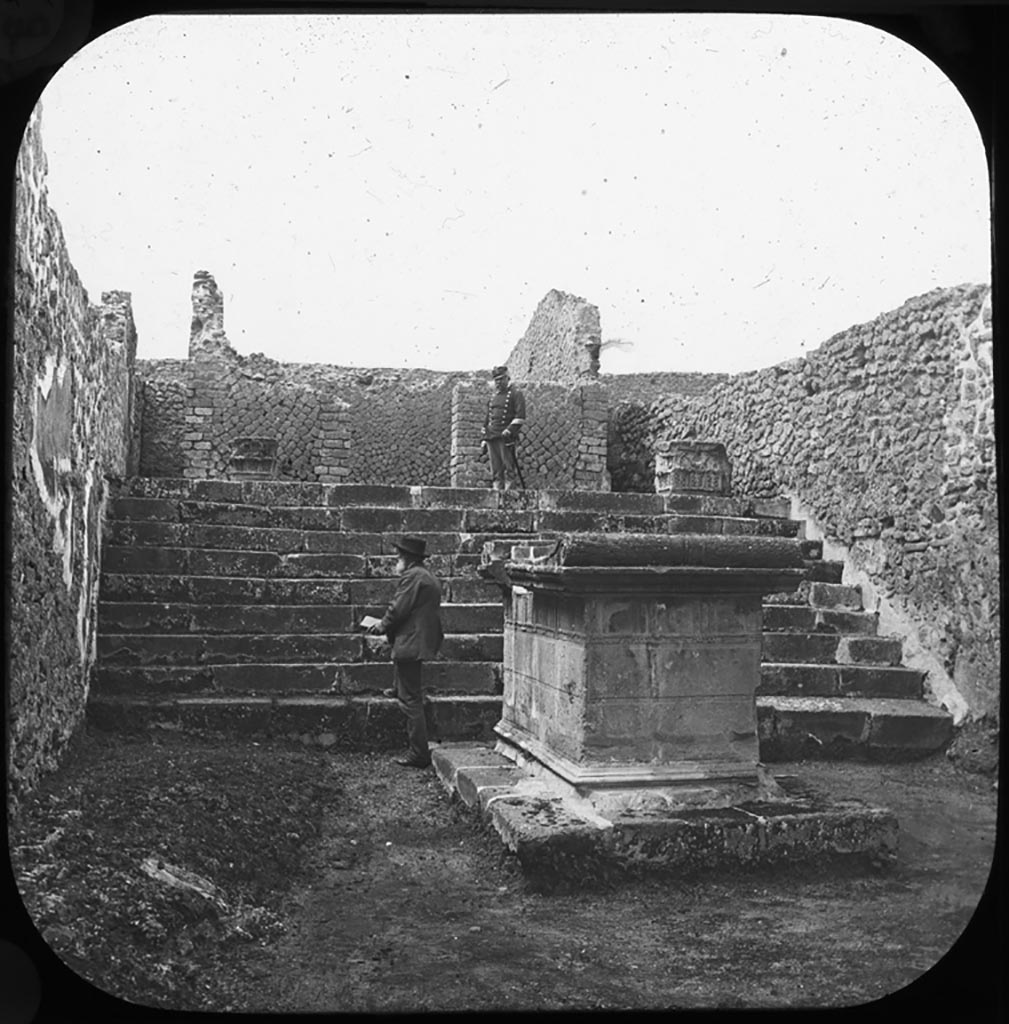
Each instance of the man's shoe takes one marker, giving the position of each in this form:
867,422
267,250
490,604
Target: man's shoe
412,762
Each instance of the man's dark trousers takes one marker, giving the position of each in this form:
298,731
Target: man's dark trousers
410,692
502,460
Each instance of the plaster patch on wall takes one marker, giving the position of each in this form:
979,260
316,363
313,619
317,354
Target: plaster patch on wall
859,561
88,598
49,454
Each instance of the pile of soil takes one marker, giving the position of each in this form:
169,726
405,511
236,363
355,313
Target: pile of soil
142,862
303,880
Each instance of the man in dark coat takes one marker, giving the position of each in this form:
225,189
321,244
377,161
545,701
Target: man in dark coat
412,625
506,415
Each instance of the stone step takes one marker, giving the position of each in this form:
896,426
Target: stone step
789,728
800,679
795,618
285,540
824,571
372,530
823,728
344,723
198,650
831,648
260,590
131,617
337,677
821,594
840,597
132,494
138,561
807,680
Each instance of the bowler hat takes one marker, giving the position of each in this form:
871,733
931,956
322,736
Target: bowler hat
499,371
415,546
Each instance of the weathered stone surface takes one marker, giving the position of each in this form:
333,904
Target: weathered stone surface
795,646
893,456
561,843
810,680
476,786
602,501
364,723
793,728
561,343
346,678
686,466
651,550
869,650
805,619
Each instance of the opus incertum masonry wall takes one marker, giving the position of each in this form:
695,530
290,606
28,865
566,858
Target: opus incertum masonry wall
73,406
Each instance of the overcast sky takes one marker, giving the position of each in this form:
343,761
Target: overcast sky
402,190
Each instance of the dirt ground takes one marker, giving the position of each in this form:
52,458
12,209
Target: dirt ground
393,899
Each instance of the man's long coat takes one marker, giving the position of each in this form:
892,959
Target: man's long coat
412,622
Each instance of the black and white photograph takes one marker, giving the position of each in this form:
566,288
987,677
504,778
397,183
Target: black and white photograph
503,510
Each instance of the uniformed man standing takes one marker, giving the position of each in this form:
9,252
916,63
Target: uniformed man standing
412,624
506,415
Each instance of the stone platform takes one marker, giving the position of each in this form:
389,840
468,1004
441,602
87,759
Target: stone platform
564,840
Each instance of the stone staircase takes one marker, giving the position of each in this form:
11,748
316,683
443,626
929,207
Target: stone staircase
234,605
831,687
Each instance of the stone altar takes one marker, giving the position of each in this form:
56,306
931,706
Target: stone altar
631,664
627,739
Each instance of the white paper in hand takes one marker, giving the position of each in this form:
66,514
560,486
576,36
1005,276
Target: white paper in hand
368,621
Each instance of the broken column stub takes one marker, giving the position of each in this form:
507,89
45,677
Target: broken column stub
631,664
692,467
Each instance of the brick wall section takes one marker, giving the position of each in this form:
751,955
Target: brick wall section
886,433
561,343
469,406
590,472
563,444
332,423
71,408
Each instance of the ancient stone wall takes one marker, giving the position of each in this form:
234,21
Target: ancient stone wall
631,460
886,434
562,446
561,343
72,404
331,423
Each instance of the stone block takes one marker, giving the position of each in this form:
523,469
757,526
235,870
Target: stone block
475,786
321,564
374,495
870,650
484,520
786,617
706,729
622,670
698,670
472,618
833,595
269,619
904,729
799,680
611,616
797,727
821,648
299,592
123,533
879,681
